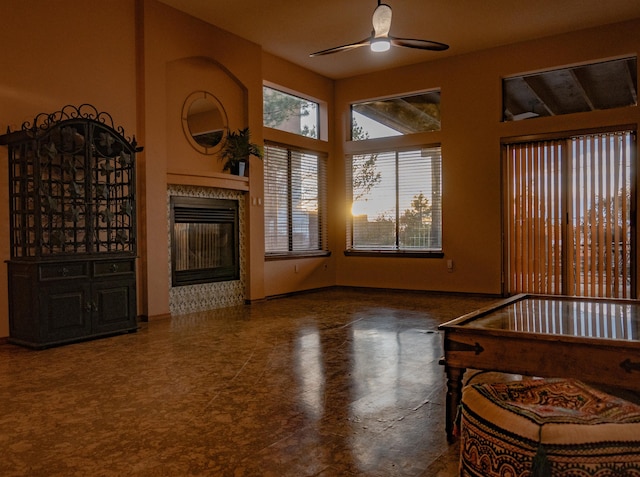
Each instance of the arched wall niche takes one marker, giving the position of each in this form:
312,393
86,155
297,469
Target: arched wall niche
184,77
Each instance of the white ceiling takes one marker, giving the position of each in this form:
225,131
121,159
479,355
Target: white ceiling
292,29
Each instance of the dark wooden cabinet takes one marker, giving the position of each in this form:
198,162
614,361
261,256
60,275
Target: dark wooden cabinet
57,302
72,272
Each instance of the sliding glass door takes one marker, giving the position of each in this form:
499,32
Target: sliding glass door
570,211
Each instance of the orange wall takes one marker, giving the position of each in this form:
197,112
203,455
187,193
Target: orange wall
139,69
172,41
291,275
470,137
59,53
134,60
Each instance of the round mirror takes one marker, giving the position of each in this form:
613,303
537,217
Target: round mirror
204,122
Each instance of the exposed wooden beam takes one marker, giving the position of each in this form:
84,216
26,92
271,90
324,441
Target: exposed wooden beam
630,82
400,115
583,87
538,89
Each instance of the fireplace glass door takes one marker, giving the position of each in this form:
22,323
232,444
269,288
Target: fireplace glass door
204,240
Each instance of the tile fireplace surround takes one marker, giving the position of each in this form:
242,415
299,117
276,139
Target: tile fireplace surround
207,296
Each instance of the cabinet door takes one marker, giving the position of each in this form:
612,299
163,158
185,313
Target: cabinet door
65,311
114,305
24,321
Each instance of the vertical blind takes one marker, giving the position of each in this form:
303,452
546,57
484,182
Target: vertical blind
570,215
535,227
599,229
396,200
294,200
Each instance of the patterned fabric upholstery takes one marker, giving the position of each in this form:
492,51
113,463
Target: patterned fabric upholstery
574,429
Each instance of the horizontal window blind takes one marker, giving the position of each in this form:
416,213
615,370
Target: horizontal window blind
396,200
294,200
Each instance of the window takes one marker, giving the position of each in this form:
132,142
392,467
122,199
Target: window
294,201
396,201
571,215
396,116
601,85
289,113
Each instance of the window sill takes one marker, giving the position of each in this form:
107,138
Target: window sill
294,255
393,253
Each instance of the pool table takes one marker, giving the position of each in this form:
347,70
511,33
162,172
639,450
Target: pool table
596,340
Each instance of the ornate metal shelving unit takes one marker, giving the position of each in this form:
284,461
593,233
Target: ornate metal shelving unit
72,228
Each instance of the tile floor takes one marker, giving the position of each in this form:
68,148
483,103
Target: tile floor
338,382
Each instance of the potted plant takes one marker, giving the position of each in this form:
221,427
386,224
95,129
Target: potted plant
237,149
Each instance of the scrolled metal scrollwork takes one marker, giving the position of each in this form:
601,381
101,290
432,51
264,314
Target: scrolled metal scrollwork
44,121
75,175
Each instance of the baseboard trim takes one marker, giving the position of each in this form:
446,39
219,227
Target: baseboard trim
382,290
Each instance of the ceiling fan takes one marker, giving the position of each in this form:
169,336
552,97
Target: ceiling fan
380,40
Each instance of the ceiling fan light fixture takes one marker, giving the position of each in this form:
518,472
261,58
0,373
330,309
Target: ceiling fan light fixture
380,45
380,39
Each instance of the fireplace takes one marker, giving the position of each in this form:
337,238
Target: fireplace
204,240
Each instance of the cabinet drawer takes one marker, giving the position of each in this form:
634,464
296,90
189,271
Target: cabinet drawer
56,271
109,268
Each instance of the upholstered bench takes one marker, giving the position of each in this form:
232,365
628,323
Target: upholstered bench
547,427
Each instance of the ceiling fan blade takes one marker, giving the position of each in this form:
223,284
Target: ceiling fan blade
337,49
381,20
380,38
418,44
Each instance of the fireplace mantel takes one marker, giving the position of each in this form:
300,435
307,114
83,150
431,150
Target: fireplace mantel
220,180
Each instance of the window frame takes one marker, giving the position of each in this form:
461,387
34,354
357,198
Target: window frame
568,198
320,130
322,184
402,98
398,252
535,94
